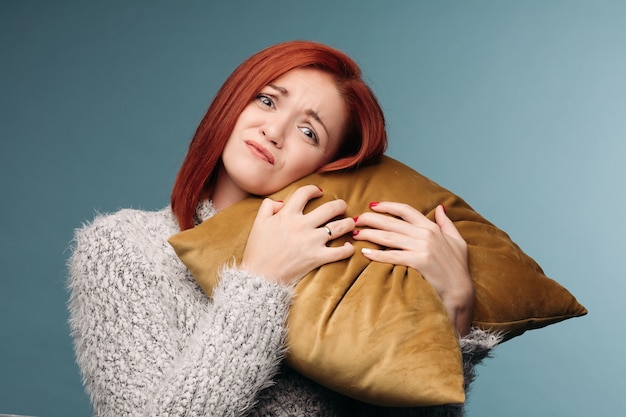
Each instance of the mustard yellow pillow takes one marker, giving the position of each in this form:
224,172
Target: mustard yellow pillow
378,332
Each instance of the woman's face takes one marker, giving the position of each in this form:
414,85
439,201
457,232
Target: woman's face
292,128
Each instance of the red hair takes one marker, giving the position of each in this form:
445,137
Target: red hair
364,142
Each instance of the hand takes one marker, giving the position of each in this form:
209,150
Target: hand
435,249
284,244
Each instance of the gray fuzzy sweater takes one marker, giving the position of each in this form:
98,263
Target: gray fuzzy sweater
150,343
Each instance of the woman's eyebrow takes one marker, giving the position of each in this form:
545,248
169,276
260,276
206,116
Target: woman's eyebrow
283,91
316,116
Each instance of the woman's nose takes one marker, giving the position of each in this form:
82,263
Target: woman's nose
274,132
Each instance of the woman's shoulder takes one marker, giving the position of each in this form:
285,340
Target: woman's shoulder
115,230
129,218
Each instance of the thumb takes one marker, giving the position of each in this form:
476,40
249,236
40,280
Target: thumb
444,222
269,207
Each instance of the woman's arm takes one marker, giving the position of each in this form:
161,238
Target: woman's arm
435,249
148,342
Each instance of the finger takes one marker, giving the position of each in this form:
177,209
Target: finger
326,212
402,210
329,232
396,257
447,226
269,207
384,222
301,197
333,254
384,238
338,228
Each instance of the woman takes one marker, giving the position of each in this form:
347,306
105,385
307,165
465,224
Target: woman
147,339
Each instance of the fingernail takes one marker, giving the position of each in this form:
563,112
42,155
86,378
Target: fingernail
444,208
374,204
355,232
320,188
356,219
366,250
280,201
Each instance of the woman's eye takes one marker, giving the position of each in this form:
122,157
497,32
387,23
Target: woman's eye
310,133
265,100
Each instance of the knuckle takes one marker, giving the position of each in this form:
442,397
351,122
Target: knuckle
336,206
386,237
365,217
386,223
431,233
340,204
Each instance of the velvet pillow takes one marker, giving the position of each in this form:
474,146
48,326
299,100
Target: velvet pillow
378,332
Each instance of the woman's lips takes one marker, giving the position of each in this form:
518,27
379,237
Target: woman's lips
260,151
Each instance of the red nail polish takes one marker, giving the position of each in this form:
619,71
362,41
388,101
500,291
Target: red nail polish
374,204
355,232
356,219
320,188
444,208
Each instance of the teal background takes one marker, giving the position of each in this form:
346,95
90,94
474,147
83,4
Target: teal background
518,106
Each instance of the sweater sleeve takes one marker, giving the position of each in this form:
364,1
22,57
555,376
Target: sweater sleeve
475,347
149,345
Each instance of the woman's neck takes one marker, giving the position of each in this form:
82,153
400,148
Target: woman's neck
226,193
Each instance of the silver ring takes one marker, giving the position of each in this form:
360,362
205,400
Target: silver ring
330,234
